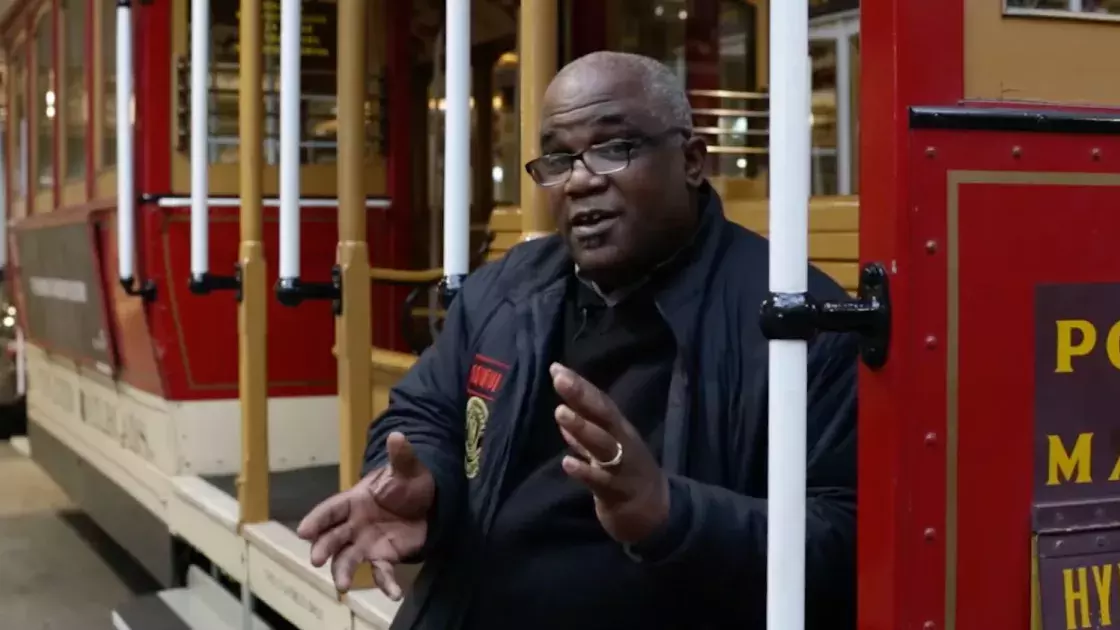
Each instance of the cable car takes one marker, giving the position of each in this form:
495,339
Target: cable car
217,290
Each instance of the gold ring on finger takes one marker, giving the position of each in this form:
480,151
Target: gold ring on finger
614,461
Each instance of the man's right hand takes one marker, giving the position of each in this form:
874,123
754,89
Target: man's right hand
381,520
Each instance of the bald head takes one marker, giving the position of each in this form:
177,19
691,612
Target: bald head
620,164
653,80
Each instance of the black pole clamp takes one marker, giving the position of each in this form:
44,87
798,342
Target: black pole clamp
293,291
207,283
449,287
146,291
799,316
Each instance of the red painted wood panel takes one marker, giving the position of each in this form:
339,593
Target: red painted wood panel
196,336
139,365
1021,220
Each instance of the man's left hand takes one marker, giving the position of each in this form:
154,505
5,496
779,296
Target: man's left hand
631,491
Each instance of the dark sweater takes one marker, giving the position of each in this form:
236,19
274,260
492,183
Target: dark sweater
547,547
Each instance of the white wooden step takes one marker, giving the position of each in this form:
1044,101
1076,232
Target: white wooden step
202,605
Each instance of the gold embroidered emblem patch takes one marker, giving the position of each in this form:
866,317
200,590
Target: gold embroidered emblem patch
477,416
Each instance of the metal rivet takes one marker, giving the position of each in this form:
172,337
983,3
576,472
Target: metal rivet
931,438
1016,151
1096,153
931,341
931,246
930,151
930,533
1101,540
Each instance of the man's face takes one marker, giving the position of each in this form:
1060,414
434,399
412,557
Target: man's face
620,224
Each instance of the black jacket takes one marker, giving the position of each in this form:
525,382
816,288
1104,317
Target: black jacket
715,440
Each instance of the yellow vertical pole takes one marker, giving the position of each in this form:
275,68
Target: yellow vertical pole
762,44
252,490
537,26
353,325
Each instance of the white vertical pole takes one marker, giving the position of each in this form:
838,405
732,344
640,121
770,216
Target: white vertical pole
200,132
290,34
457,144
126,184
790,144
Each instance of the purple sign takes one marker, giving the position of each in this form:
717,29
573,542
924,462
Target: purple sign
1080,591
1077,388
1076,446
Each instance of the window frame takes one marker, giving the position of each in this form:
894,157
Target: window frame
43,199
1059,14
18,204
73,191
104,178
316,180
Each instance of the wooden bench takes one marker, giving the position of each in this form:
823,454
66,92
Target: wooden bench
833,233
505,230
833,248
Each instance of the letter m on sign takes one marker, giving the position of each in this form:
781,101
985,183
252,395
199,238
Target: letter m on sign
1075,464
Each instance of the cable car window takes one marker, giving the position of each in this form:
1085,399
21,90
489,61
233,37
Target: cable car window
74,88
109,83
1099,9
318,100
17,164
45,105
506,169
728,83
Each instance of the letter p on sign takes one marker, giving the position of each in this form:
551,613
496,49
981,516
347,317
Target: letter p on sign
1076,338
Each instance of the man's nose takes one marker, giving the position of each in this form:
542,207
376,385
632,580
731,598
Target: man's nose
583,181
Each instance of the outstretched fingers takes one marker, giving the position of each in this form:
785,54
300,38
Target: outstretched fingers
330,543
324,516
343,566
386,578
587,401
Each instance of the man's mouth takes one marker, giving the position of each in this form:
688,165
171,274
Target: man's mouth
592,223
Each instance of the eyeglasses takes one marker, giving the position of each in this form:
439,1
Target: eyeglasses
553,169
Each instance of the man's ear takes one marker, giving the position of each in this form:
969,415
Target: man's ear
695,159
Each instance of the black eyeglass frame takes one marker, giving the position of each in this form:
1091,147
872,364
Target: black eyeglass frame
632,144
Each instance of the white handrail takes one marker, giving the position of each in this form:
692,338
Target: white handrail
290,86
126,177
200,129
789,208
457,144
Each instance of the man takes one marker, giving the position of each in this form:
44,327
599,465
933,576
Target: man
584,447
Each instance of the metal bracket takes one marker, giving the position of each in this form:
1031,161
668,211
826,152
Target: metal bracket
293,291
146,291
449,288
205,284
799,316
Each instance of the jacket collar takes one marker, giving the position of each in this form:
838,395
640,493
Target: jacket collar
678,298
